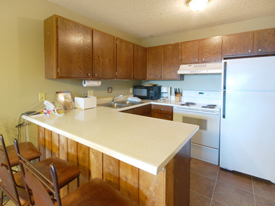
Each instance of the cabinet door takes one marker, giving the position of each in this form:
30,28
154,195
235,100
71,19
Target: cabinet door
189,52
210,50
104,55
74,49
140,62
238,44
154,63
265,41
170,62
125,59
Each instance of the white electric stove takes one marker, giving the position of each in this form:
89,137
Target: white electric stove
202,108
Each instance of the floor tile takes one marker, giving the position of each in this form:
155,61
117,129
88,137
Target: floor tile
215,203
236,179
204,168
262,201
264,188
198,200
229,195
201,184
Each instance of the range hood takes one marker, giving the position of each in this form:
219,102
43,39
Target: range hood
211,68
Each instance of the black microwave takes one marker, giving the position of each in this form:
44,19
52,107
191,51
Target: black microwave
147,92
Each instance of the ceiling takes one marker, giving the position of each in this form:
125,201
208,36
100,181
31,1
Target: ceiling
153,18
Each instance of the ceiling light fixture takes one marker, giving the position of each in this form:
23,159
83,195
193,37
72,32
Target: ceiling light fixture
197,5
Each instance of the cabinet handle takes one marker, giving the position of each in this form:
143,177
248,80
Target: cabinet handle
88,74
161,109
131,76
203,60
196,60
95,74
249,51
260,50
159,76
135,76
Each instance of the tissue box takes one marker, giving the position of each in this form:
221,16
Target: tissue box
85,102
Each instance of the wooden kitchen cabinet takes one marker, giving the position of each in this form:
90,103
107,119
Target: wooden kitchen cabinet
104,55
143,110
202,51
265,41
210,50
140,62
238,44
68,49
154,63
189,52
170,62
162,112
125,59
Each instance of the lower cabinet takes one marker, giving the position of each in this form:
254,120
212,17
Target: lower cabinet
143,110
162,112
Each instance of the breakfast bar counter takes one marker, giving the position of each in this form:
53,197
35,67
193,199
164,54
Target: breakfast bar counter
145,158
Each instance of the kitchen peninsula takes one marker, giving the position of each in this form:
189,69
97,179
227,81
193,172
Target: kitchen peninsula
147,159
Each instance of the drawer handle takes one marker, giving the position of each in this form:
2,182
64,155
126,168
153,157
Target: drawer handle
161,109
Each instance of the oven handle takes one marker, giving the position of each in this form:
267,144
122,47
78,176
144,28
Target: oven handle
180,110
224,88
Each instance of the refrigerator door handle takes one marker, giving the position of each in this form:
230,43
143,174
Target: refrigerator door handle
223,103
224,75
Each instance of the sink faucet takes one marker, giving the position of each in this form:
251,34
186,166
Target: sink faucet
116,97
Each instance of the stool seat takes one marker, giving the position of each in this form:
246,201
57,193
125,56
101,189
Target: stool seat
27,149
97,193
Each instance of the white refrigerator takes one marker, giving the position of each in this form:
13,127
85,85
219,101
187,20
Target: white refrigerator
247,141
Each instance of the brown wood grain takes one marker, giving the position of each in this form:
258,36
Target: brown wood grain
104,55
63,154
48,143
238,44
125,59
170,62
50,47
55,144
130,111
111,171
41,141
265,41
83,163
140,62
74,49
154,63
151,189
143,109
129,181
189,52
169,180
96,164
72,157
210,50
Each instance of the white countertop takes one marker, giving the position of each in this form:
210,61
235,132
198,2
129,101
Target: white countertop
144,142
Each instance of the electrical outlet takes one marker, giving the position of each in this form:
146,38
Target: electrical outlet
42,97
90,93
131,90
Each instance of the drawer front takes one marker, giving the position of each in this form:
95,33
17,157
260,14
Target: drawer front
143,110
162,109
162,116
130,111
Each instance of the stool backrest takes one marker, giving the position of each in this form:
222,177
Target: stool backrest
38,182
8,183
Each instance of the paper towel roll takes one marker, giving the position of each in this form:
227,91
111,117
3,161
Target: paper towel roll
91,83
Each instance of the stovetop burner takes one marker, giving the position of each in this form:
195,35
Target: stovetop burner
188,104
210,106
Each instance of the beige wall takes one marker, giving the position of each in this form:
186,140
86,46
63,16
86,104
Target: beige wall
238,27
22,61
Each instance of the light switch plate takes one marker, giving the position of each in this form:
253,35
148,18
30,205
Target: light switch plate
42,97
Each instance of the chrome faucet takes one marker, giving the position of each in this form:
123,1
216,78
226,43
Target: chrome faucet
116,97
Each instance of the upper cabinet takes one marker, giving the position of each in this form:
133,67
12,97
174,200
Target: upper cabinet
206,50
170,62
68,49
265,41
154,62
163,62
140,62
104,55
238,44
125,59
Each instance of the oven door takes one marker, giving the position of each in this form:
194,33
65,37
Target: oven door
205,143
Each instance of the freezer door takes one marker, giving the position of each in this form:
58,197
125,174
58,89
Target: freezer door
249,74
247,141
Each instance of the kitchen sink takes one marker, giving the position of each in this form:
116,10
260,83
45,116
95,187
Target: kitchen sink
121,104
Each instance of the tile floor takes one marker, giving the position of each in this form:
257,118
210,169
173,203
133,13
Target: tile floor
212,186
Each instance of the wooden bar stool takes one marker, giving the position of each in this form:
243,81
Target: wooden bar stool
95,192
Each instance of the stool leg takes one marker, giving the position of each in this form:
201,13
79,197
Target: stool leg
1,200
78,181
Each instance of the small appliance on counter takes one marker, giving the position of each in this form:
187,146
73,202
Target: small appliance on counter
85,102
165,93
147,91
